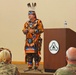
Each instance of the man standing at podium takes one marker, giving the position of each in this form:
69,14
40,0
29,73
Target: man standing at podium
33,29
70,68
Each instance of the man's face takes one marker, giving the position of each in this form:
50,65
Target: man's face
31,17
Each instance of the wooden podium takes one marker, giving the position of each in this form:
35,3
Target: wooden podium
66,38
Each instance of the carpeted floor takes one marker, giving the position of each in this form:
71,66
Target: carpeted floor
40,70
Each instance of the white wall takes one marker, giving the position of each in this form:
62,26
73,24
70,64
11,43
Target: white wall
13,14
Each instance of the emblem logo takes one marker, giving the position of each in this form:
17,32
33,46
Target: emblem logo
53,47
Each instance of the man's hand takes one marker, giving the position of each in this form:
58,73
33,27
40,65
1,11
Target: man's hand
31,30
39,53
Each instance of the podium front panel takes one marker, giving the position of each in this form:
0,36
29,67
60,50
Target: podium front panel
65,38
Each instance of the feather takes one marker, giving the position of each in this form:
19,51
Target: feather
33,4
29,5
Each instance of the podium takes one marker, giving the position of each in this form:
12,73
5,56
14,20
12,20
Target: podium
65,38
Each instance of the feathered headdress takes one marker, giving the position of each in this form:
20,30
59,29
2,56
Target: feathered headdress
32,8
